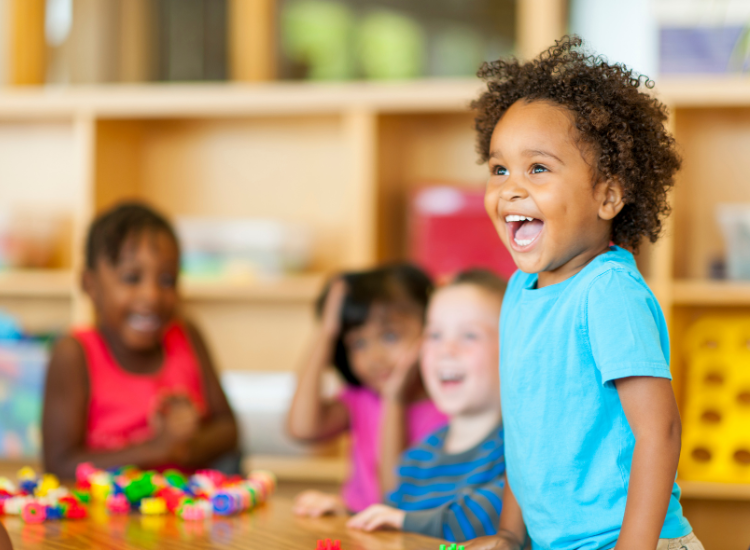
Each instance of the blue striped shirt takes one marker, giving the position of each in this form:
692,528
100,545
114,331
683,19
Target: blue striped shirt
452,496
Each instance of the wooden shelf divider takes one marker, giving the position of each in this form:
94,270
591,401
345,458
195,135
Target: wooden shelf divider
711,293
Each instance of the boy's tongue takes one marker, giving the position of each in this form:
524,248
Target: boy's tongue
529,230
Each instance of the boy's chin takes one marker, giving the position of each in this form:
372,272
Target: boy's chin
452,407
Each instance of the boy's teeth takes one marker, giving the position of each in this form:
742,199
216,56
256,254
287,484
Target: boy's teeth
523,242
450,376
516,218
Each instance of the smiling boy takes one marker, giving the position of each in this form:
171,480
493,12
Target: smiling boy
580,165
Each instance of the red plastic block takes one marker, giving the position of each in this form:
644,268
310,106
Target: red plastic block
328,544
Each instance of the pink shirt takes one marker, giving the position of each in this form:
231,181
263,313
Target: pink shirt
364,406
122,403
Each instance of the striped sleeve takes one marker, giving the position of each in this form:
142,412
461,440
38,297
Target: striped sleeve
471,513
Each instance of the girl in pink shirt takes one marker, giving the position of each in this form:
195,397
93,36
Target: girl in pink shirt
139,387
370,330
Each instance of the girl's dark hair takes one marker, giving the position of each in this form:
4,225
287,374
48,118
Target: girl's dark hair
401,285
622,124
112,228
482,278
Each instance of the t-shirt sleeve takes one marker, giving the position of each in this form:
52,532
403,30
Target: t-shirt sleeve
626,328
472,513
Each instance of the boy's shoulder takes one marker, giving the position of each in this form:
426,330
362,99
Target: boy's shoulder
614,272
617,262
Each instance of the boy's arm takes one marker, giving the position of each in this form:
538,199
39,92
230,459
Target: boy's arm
310,417
651,410
469,515
511,533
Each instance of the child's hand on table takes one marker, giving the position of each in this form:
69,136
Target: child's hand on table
378,516
314,504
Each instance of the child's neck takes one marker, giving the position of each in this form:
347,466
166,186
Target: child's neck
135,361
467,431
572,267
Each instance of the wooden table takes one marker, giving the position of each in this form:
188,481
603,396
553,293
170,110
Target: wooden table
270,527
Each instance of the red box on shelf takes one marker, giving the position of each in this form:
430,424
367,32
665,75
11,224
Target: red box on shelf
449,231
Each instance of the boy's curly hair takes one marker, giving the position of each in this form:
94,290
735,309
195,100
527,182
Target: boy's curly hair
623,125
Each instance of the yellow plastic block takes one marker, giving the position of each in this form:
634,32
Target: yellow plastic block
48,483
153,506
26,473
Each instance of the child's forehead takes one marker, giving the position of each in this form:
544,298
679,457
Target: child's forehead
542,116
470,298
138,243
531,127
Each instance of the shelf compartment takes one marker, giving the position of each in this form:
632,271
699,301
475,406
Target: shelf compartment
705,490
697,292
32,283
290,288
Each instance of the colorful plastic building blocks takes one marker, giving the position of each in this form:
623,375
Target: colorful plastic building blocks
451,547
328,544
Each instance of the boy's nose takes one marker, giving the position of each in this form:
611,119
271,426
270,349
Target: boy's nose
513,189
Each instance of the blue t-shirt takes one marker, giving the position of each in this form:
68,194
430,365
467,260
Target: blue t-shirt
569,446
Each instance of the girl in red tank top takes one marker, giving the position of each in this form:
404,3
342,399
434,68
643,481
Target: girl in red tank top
138,388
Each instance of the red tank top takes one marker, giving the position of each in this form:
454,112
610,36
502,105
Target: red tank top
121,403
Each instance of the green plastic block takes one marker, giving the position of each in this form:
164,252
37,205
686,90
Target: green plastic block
139,488
175,479
82,496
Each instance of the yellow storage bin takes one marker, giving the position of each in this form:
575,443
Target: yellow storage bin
716,417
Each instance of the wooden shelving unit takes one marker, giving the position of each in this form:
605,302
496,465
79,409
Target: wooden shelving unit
342,158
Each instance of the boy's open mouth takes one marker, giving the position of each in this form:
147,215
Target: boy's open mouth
451,378
524,231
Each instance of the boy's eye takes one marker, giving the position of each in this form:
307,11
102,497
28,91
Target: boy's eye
538,169
498,170
471,336
168,281
433,335
130,278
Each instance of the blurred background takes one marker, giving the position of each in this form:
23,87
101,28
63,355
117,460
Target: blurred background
292,139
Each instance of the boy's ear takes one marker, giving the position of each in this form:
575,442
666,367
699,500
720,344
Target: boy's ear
613,199
88,282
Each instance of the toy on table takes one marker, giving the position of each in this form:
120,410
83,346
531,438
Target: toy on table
451,547
37,499
193,498
328,544
716,434
41,498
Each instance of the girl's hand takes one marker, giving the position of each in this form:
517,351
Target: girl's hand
378,516
314,504
176,420
331,318
404,374
500,541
